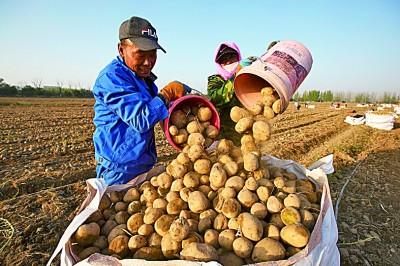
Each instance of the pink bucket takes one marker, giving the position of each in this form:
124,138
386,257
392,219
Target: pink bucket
189,100
283,67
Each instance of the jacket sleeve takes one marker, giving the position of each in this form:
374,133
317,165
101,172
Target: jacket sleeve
219,90
129,104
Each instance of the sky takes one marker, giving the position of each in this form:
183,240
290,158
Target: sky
355,44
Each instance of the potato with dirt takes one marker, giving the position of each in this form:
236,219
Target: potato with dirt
87,234
268,249
199,252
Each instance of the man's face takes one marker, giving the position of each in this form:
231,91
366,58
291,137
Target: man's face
140,62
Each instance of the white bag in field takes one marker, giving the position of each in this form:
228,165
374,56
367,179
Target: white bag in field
321,249
355,121
384,122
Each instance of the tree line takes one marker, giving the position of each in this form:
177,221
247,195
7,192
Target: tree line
362,97
42,91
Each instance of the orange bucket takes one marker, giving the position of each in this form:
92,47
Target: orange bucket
284,67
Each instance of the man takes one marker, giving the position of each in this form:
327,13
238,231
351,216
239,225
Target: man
127,105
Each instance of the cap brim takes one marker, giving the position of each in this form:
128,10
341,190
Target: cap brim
145,44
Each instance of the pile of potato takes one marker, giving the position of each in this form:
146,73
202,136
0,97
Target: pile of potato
270,105
226,206
192,119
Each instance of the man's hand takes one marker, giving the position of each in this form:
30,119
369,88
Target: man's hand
174,90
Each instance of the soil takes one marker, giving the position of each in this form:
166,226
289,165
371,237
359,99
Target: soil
46,154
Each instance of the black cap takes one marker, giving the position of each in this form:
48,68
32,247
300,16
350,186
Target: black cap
225,51
141,33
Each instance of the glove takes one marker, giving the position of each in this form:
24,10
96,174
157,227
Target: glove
173,91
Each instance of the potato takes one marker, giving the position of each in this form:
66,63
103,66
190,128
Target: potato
261,130
230,259
175,206
145,230
224,146
119,245
181,137
199,252
202,166
204,225
276,106
256,109
173,130
154,240
178,119
267,91
134,207
251,227
101,242
148,196
204,189
231,168
85,253
272,231
238,113
196,139
233,223
176,170
149,253
191,179
177,185
195,152
218,175
179,229
151,215
251,184
290,251
211,238
231,208
120,206
121,217
242,247
249,147
220,222
160,204
164,180
226,238
184,194
307,219
163,223
251,161
136,242
192,237
296,235
292,200
194,127
208,142
193,225
268,249
274,205
244,124
269,100
116,231
211,132
235,182
169,247
198,202
227,192
172,195
281,195
247,198
87,234
290,215
259,210
95,217
116,196
204,113
105,202
134,222
263,193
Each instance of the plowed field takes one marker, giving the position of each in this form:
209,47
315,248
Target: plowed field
46,154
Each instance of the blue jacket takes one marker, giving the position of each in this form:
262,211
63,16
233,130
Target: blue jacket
126,110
